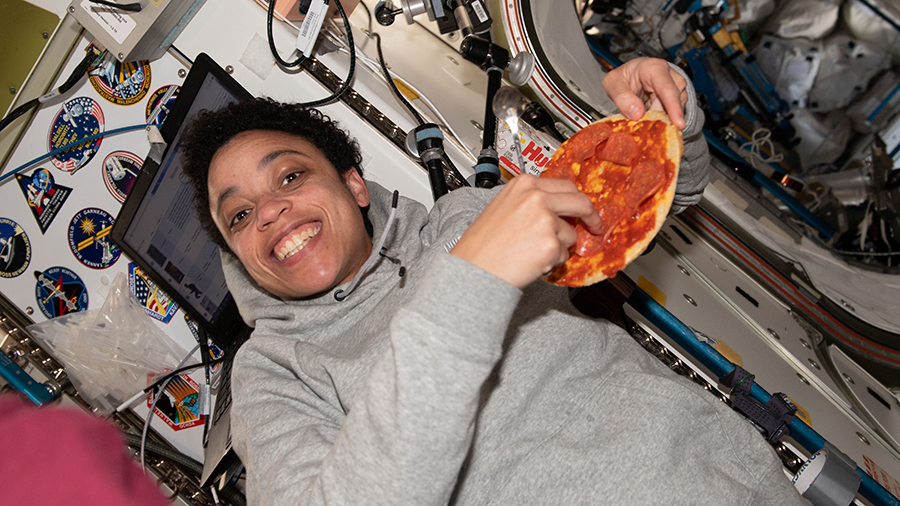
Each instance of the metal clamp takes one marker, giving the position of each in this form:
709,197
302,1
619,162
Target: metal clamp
157,144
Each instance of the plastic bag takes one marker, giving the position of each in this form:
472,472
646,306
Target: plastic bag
109,353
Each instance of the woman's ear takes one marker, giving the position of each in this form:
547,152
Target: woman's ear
357,187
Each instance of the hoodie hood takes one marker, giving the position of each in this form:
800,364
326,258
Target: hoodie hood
403,242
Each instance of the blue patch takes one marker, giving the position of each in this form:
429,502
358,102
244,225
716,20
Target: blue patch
15,249
160,103
78,118
156,302
89,238
59,291
43,195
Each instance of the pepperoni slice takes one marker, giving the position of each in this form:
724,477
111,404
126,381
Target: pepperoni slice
581,146
559,171
621,148
646,179
588,244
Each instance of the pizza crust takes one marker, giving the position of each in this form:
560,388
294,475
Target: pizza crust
662,200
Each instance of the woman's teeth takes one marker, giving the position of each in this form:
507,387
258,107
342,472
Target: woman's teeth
296,243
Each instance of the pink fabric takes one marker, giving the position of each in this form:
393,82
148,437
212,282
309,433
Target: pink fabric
55,455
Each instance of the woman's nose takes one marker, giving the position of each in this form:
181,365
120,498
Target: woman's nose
270,209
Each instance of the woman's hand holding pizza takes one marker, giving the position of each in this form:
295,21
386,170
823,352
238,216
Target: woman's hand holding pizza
644,84
522,233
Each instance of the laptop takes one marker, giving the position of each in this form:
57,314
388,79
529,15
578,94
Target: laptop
159,230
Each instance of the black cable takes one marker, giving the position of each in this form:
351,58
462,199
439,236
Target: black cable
18,111
368,13
203,341
132,7
164,377
346,84
270,14
160,451
80,70
387,76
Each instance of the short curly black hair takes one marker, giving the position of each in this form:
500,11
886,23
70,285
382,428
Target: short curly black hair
212,130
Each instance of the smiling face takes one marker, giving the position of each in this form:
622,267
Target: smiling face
291,219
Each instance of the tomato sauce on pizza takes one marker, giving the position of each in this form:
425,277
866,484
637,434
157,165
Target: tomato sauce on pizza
628,169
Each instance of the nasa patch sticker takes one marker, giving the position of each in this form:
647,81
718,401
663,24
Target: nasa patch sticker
179,405
122,83
160,103
156,302
43,195
89,238
120,169
78,118
15,249
59,291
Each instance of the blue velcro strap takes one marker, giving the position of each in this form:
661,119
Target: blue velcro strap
487,167
429,133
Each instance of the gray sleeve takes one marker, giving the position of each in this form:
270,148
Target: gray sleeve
408,431
693,175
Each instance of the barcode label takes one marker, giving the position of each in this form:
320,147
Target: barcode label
312,23
479,11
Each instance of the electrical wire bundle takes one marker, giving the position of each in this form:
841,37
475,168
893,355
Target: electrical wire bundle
90,57
345,84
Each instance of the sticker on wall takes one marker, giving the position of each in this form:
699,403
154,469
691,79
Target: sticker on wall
179,405
160,104
43,195
215,353
78,118
15,249
89,238
122,83
156,302
120,169
59,291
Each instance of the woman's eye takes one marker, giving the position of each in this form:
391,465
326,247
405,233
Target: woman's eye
290,178
238,217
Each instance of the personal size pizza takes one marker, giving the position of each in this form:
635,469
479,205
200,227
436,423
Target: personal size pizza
629,170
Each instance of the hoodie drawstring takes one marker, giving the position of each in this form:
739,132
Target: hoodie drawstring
376,252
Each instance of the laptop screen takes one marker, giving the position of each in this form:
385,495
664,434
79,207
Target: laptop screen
158,227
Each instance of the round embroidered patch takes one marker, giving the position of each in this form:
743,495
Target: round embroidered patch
59,291
120,169
78,118
122,83
15,249
89,238
160,103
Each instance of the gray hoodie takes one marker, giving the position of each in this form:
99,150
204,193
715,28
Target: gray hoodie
448,385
